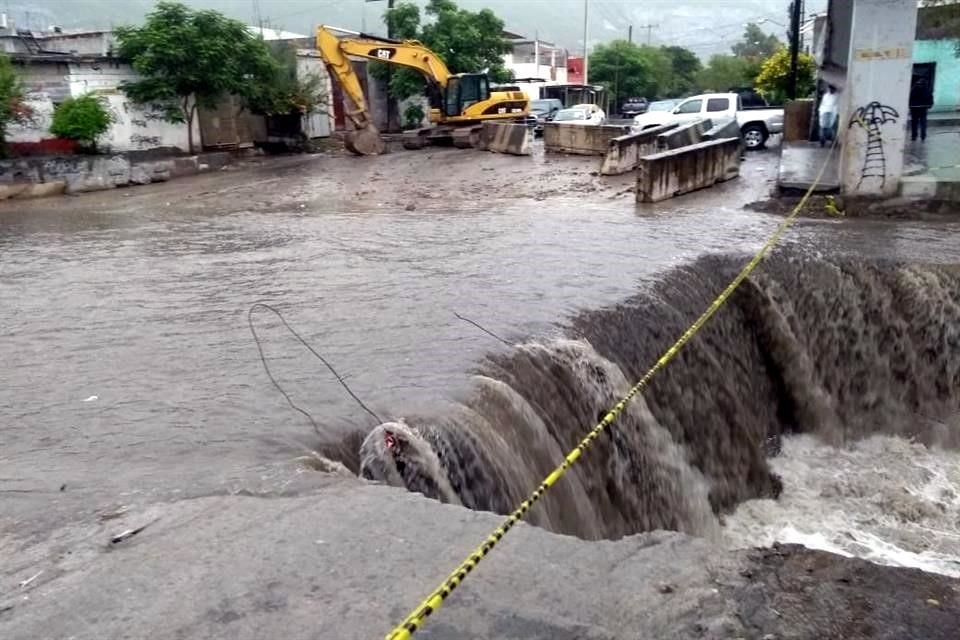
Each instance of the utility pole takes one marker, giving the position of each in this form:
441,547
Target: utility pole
393,117
586,46
258,16
794,46
630,34
649,28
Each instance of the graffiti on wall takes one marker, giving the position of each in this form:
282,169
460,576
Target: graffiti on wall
871,118
144,142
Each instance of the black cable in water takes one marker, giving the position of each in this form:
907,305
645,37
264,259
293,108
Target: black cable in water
484,329
276,384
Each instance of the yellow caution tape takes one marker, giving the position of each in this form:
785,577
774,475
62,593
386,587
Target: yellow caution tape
418,616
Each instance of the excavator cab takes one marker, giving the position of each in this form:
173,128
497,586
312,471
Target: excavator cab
464,90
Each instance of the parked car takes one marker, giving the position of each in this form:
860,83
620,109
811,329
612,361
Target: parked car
663,105
544,111
634,107
756,124
586,114
749,98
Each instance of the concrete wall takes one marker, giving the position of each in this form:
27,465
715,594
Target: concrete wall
874,108
320,123
44,85
133,128
48,79
946,88
839,23
581,139
672,173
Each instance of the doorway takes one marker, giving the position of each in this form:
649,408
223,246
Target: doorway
927,71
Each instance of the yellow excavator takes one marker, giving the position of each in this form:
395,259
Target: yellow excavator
460,103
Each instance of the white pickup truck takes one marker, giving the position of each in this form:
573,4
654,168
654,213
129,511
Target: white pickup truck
757,124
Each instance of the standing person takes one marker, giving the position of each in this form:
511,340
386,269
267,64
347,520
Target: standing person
829,111
921,99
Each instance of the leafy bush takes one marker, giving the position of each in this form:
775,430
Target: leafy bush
83,119
413,116
774,79
12,107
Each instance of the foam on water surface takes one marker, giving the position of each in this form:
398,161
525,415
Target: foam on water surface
883,499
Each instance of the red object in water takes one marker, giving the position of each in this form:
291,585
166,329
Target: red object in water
48,147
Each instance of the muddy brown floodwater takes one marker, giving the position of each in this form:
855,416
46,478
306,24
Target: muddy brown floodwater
128,367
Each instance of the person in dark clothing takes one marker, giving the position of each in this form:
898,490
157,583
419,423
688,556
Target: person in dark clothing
921,99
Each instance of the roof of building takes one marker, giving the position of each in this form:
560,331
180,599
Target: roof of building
939,23
275,34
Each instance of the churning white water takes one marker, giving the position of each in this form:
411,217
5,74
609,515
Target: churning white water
884,499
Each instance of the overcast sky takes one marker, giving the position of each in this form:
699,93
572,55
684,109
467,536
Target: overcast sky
705,26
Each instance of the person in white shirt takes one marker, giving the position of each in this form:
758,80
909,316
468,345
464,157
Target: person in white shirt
829,112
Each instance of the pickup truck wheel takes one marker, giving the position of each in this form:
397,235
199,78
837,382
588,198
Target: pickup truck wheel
754,136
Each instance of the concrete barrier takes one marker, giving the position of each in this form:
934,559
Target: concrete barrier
685,135
728,128
624,152
507,137
678,171
581,139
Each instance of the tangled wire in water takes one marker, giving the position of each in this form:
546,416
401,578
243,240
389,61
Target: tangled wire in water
266,367
340,379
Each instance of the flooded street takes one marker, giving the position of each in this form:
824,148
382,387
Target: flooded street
128,363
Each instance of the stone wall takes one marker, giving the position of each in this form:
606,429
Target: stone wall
55,175
673,173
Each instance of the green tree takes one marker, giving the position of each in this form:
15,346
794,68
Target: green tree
724,72
756,45
629,70
285,91
467,41
84,119
774,78
403,23
684,65
413,116
12,107
189,59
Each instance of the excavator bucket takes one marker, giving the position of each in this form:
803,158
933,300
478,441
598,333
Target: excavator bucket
365,141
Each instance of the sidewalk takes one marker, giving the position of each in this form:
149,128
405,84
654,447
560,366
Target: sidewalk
931,168
943,119
800,163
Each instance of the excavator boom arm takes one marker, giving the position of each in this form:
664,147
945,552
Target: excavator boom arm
409,53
